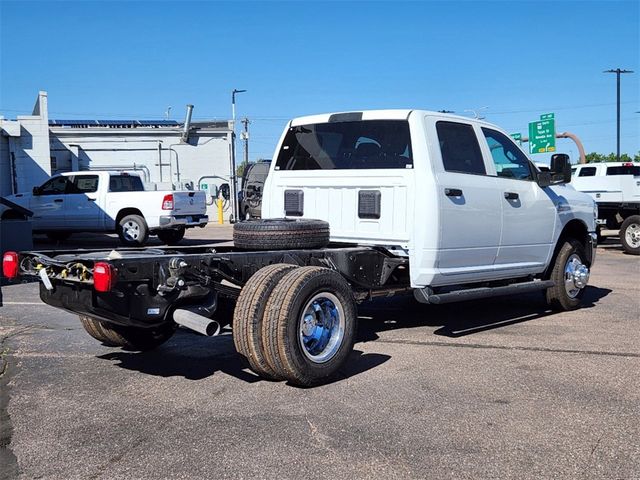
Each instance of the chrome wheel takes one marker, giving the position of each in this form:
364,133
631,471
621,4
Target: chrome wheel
131,230
576,276
632,235
321,327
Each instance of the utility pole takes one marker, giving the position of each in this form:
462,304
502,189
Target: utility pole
232,188
245,136
618,71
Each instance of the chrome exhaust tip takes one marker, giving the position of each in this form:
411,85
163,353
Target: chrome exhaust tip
197,323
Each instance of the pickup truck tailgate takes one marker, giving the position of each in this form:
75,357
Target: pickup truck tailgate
189,203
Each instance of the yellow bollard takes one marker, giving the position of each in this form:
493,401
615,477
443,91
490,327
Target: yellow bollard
220,213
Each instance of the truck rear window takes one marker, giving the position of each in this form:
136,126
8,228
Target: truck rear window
624,170
355,145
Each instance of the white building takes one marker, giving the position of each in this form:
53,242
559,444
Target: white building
163,153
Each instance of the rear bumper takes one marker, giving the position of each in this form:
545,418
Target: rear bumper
188,221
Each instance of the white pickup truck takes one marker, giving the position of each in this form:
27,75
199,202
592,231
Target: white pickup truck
92,201
375,203
615,186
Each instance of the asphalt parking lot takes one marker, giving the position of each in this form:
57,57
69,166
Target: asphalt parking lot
500,388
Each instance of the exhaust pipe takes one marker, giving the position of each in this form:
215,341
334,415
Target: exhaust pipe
195,322
187,124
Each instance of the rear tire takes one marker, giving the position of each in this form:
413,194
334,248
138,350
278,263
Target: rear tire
630,235
133,230
129,338
249,314
281,234
171,236
309,325
567,293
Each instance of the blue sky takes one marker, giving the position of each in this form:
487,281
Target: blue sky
108,59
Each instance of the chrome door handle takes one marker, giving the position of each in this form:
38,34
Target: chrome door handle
453,192
511,196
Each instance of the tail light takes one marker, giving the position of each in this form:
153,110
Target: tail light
10,265
167,202
104,277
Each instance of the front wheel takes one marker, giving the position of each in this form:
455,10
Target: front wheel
630,235
570,274
309,325
171,237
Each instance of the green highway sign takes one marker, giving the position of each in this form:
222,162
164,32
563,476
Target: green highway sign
204,186
517,137
547,116
542,136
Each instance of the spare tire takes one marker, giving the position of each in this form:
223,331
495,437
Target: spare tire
281,234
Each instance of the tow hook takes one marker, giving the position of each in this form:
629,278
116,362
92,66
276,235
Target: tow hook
171,285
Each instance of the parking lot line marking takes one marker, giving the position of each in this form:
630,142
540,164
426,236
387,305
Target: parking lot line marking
500,347
23,303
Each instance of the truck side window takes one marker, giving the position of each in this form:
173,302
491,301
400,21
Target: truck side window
55,186
460,148
509,160
125,183
623,170
587,172
85,183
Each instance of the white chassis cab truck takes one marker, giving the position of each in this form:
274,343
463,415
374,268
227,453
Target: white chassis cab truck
615,186
93,201
356,205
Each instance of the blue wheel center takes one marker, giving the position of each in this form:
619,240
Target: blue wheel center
319,324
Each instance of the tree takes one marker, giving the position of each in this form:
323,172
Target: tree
241,169
595,157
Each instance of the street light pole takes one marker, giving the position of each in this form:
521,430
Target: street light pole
618,71
232,188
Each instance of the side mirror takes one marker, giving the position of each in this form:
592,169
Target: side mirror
36,191
544,179
560,168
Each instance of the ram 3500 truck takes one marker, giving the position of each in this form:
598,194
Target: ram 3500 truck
357,205
615,186
92,201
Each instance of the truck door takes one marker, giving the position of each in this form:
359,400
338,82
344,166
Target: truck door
528,213
82,210
469,203
47,204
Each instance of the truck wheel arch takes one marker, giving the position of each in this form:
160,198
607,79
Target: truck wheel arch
575,229
127,211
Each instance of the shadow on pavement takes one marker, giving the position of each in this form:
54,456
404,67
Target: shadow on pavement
458,319
196,357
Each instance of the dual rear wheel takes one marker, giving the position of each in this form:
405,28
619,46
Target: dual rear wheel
295,323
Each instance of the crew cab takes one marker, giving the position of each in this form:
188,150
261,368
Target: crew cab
615,186
357,205
102,201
